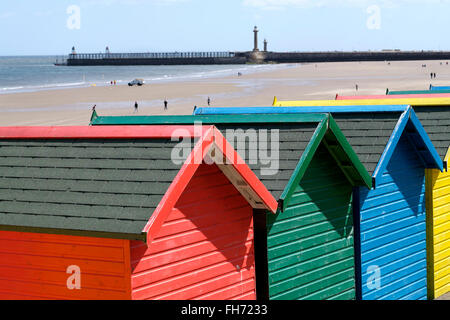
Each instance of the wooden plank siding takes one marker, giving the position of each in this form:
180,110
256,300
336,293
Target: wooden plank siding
34,266
438,233
204,249
310,244
393,230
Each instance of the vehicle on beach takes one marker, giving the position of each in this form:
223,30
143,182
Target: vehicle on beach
136,82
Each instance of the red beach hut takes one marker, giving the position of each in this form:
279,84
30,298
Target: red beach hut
126,213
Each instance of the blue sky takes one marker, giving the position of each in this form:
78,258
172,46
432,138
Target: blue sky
40,27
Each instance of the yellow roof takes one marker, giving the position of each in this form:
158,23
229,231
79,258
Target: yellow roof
369,102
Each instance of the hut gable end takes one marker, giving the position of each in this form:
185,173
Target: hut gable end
206,241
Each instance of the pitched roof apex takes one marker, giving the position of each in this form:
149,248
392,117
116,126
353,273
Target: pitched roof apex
408,116
212,148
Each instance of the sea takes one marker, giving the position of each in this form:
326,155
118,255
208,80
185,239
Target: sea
35,73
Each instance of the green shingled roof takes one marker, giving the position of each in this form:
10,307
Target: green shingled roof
293,140
368,133
108,187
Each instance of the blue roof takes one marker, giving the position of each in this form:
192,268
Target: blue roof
324,109
437,88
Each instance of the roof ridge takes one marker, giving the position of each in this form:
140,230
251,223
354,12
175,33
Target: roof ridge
205,118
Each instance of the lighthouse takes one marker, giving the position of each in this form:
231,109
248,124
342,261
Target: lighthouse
257,56
255,31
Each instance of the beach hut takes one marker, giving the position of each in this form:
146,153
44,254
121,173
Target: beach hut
436,121
414,102
438,204
439,88
307,248
391,234
416,95
435,118
431,93
126,213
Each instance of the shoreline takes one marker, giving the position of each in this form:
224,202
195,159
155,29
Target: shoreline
157,79
73,106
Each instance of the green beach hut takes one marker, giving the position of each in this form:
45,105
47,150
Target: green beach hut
306,250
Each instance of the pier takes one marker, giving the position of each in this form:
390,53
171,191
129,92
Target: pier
153,58
254,56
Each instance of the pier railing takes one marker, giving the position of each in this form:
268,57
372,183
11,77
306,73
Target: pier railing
150,55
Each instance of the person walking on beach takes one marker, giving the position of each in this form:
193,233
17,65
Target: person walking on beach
165,104
136,106
357,87
209,101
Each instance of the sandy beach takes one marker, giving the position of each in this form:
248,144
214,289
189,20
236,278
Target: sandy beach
295,81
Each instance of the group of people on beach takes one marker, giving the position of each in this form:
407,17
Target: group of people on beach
433,75
136,105
166,105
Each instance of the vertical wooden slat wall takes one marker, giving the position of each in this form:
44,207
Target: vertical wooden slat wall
438,233
393,230
310,245
34,266
204,249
